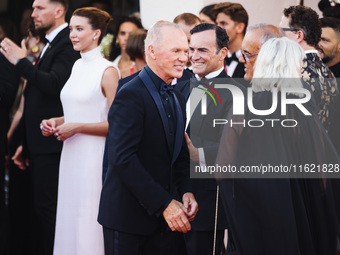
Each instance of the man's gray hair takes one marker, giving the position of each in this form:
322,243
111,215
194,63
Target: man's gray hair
154,36
268,31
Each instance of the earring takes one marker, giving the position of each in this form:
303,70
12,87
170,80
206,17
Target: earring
94,38
117,43
35,49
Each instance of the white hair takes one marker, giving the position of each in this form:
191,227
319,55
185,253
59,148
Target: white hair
279,59
154,35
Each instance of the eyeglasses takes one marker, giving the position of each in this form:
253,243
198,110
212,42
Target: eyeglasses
245,56
289,29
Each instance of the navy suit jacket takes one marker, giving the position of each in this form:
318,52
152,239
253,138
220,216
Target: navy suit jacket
186,76
143,174
204,135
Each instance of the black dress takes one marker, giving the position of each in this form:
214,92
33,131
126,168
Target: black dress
293,214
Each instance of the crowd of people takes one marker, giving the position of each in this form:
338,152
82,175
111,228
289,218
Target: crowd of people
111,123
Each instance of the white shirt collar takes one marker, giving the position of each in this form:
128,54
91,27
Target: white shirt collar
212,74
237,53
311,51
50,37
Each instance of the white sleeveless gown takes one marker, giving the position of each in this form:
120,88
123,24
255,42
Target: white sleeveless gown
80,174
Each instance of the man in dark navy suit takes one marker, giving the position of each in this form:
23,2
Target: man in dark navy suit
45,80
148,171
207,50
185,77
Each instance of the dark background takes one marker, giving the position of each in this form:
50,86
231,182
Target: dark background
119,8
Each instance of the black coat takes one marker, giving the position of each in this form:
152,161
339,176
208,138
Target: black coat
239,71
143,174
9,82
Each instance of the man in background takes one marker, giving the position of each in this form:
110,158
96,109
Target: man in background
329,49
187,21
255,37
45,80
207,50
329,45
233,18
301,24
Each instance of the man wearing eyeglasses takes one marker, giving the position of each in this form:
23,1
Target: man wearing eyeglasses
251,45
301,24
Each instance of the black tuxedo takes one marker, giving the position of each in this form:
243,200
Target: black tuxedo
144,173
186,76
335,70
9,81
42,101
203,135
239,71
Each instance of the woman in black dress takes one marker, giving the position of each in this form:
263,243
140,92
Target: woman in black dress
291,209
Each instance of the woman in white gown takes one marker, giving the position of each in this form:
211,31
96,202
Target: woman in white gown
86,98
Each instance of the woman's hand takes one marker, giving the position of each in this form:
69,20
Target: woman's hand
48,127
65,131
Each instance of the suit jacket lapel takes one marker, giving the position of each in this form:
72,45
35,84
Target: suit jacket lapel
158,101
59,36
177,146
186,90
179,129
239,71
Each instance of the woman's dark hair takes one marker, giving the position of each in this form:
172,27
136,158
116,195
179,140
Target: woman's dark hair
135,44
115,50
207,11
98,19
